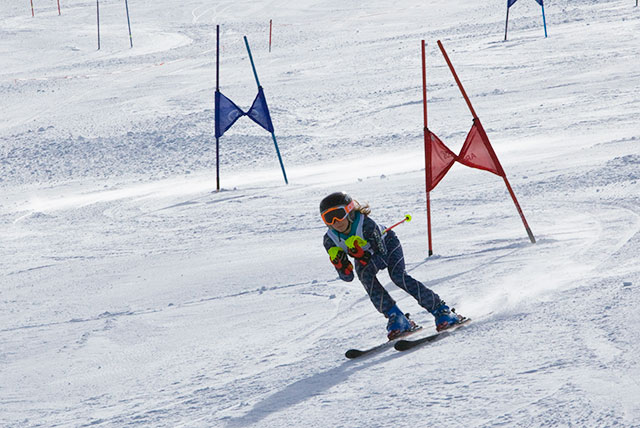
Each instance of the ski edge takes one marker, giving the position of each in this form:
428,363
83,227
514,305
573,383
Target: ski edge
356,353
407,344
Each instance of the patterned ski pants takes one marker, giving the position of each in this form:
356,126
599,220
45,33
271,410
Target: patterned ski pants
396,268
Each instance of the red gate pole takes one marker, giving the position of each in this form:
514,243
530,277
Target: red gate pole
455,76
270,29
476,121
492,153
32,13
59,8
427,146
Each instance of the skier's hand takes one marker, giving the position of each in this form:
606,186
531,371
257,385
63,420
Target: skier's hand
342,264
359,254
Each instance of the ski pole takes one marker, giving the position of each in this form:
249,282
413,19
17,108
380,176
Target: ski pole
406,218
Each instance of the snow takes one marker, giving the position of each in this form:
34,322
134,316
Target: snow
134,294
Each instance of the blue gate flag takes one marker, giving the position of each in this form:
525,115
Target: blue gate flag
226,113
511,2
259,112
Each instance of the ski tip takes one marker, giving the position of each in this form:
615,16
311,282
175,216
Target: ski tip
405,345
353,353
402,345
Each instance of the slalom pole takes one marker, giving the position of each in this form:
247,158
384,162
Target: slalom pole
59,13
270,30
217,107
407,218
506,24
126,5
489,148
455,76
273,135
427,146
544,21
506,181
32,12
98,19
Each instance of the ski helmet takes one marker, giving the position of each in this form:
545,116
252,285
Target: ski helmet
337,206
333,200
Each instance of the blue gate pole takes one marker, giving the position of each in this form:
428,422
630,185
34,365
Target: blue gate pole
126,5
273,135
506,24
217,107
544,21
98,19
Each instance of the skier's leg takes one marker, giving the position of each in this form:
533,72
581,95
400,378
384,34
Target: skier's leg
377,293
425,297
397,322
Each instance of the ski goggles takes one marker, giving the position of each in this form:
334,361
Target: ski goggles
338,213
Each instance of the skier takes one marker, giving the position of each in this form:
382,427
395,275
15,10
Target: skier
351,231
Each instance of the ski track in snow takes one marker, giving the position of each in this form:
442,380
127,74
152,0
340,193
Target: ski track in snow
133,294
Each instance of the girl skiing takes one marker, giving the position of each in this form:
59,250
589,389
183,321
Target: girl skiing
351,232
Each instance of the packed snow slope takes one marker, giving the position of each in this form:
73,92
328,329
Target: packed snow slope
134,294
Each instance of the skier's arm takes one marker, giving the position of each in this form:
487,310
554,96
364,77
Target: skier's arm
372,234
378,248
339,260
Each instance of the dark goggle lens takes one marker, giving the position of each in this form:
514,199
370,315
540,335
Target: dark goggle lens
333,215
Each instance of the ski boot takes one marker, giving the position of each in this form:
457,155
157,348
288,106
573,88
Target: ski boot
446,317
398,323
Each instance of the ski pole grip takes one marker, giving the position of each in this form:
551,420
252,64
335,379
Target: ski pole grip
407,218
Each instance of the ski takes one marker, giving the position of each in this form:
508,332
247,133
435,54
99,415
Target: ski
405,345
356,353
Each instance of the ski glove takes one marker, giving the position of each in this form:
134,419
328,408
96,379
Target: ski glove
342,264
363,257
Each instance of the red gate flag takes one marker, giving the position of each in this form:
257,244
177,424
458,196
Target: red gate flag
478,153
442,159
